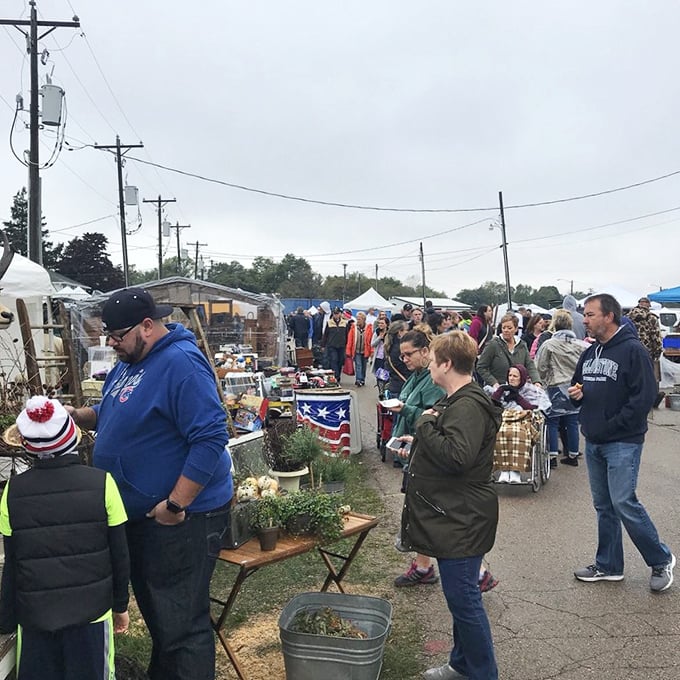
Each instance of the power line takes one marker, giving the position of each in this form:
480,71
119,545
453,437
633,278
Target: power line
355,206
81,224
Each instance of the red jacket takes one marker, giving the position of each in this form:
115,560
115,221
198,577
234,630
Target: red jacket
350,348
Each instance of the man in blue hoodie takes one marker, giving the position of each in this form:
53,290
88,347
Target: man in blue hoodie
161,433
614,384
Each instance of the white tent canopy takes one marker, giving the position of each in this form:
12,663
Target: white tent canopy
25,279
68,293
625,298
370,299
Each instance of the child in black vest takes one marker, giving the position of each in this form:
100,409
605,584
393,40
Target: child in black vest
65,580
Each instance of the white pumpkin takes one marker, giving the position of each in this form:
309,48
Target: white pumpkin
250,481
267,493
266,482
246,492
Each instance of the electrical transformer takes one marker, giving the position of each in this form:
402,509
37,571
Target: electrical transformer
52,104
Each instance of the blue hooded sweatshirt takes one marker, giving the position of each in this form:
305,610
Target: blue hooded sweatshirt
619,389
161,418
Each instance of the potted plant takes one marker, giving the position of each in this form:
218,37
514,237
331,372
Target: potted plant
314,513
266,520
290,450
331,473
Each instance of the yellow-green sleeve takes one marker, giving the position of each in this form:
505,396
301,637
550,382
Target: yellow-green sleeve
114,503
5,527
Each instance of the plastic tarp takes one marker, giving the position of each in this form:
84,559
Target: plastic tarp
666,295
371,298
670,373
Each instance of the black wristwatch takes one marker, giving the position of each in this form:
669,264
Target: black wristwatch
173,507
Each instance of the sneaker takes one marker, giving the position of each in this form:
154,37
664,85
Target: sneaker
399,545
514,477
444,672
553,463
659,398
487,582
591,573
413,577
569,460
662,577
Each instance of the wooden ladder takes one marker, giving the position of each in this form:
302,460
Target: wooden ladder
191,313
66,363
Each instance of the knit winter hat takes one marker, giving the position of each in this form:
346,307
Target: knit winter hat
46,429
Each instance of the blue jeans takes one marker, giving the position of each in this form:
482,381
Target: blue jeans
336,358
472,653
571,424
359,368
170,571
613,473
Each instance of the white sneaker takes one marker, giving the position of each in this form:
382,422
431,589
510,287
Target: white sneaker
514,477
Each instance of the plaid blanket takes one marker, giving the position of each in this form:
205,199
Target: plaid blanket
519,431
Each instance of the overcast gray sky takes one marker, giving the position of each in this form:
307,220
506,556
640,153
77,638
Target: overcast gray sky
423,105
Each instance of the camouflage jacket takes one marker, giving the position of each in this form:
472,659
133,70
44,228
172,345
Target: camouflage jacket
648,329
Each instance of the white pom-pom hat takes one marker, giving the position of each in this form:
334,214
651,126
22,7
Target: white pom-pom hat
44,429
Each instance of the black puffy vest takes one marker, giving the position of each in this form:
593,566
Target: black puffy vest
59,526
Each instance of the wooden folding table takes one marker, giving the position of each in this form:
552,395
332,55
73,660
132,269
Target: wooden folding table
249,558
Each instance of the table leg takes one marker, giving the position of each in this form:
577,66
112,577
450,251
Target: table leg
337,576
226,608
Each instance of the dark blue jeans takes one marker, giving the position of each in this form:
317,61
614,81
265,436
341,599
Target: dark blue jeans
170,571
613,473
472,653
336,358
570,423
359,368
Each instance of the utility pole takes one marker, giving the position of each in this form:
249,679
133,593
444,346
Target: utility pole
121,197
344,282
179,226
505,253
32,39
422,267
197,244
160,203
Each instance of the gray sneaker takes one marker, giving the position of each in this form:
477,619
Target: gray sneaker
662,577
444,672
591,573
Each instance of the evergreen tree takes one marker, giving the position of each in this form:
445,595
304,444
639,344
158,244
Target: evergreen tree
16,229
85,259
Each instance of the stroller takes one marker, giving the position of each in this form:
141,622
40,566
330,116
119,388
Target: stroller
384,429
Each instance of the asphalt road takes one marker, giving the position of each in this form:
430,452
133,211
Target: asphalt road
545,624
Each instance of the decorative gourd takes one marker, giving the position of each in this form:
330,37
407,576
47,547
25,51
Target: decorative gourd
246,492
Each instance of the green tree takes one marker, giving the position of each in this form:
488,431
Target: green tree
16,229
86,260
547,297
296,278
489,293
231,274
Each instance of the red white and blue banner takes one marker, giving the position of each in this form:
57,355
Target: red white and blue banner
327,414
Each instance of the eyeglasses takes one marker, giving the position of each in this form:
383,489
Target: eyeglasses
403,355
118,337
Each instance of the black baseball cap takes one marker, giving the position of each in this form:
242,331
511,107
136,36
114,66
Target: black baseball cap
337,310
408,307
130,306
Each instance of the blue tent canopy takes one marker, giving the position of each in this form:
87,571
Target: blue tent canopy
666,295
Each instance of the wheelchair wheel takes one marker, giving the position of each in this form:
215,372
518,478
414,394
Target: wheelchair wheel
383,451
536,467
545,457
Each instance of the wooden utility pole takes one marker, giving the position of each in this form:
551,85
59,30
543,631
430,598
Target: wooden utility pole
160,202
32,39
505,253
179,226
121,196
422,268
197,244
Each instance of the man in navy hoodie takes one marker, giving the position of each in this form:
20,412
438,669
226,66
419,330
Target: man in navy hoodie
161,433
615,385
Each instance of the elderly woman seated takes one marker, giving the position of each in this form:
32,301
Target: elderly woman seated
518,432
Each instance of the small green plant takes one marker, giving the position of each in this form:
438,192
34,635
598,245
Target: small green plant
326,621
267,513
303,447
331,469
322,511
